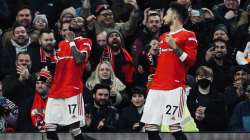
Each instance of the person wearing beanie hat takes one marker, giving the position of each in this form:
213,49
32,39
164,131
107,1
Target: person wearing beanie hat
119,57
221,32
45,76
67,15
43,80
40,21
100,8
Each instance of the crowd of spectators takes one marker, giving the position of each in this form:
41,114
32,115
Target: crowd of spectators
124,55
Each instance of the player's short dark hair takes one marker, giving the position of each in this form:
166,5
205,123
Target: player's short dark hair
181,10
100,86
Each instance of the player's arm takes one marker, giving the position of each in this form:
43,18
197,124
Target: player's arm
188,55
190,49
77,55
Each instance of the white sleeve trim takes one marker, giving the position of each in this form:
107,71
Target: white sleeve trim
183,57
86,53
71,44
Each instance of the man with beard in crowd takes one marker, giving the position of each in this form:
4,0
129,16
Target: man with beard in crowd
101,116
24,18
152,22
20,42
119,57
19,88
216,58
47,50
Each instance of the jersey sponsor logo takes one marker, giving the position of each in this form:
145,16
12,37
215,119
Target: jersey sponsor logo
64,57
166,50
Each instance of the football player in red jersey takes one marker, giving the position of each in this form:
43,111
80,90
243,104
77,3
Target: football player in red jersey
166,97
65,104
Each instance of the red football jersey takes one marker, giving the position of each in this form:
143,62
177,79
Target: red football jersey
171,69
67,81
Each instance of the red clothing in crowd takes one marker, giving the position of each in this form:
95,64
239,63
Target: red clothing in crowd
67,81
171,69
38,109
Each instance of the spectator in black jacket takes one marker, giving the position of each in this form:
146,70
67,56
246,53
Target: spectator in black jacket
19,88
100,116
240,119
206,104
235,92
20,42
129,118
8,113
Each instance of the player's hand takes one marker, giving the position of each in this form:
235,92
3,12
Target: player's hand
171,41
70,36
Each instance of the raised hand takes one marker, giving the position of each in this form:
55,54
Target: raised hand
132,2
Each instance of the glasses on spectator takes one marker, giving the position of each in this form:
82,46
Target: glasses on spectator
107,14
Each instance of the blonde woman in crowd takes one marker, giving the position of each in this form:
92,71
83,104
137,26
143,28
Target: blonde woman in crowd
104,74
